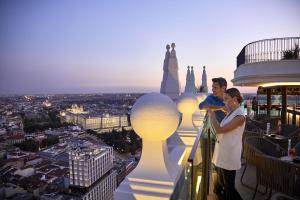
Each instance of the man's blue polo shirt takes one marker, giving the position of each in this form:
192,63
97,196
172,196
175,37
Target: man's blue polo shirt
214,101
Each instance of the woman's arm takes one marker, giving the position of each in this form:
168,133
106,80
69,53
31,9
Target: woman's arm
234,123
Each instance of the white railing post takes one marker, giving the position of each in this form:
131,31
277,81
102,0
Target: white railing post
154,117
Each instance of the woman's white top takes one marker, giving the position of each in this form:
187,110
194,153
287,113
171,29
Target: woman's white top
228,147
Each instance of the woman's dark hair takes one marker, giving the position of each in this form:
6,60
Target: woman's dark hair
233,92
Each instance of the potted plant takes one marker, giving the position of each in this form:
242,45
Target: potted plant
291,54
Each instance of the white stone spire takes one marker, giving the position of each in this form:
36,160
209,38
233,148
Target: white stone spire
204,81
187,82
170,84
190,81
165,68
193,85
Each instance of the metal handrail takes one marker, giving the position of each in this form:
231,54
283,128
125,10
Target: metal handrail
269,50
194,148
197,140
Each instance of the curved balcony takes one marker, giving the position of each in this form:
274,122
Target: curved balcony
269,62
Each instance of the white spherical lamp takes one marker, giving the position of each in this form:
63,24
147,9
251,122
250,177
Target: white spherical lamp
154,117
187,105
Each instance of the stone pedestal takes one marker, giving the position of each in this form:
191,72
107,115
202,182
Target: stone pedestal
154,118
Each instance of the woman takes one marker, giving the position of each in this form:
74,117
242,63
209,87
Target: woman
248,104
228,147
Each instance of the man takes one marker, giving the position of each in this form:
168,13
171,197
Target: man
254,106
215,101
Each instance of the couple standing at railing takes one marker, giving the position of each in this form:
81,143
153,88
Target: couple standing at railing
228,121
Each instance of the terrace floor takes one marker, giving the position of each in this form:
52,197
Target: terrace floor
250,179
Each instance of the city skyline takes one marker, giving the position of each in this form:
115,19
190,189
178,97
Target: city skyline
108,47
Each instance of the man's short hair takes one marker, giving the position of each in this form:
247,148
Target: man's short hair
221,81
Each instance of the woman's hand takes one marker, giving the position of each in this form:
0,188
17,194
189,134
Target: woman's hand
224,109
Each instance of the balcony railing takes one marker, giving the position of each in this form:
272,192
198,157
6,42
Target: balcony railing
292,115
194,182
269,50
175,168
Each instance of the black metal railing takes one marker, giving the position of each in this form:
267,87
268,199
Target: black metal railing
293,113
269,50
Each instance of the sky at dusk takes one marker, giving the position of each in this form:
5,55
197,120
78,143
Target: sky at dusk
76,46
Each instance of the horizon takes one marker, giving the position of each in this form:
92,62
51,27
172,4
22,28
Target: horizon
99,93
99,47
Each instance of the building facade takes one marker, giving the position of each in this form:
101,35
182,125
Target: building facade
91,172
106,122
103,189
87,165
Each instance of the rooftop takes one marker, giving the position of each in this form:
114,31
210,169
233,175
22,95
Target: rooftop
84,153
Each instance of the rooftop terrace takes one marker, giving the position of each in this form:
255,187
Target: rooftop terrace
178,141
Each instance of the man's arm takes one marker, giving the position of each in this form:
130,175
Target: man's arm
212,107
209,103
204,103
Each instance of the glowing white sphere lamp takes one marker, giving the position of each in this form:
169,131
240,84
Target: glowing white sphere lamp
187,105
